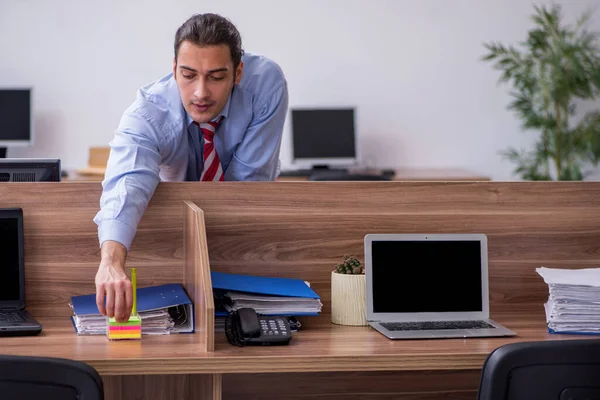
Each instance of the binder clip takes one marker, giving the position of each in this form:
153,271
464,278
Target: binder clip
132,329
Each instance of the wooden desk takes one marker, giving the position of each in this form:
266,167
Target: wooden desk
320,347
300,229
415,174
323,348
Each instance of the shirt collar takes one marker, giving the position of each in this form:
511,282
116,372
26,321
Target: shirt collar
224,112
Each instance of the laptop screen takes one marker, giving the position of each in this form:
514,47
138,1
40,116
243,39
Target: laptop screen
9,259
426,276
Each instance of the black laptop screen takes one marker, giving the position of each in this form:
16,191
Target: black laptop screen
9,259
426,276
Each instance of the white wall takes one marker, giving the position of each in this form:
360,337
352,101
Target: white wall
412,69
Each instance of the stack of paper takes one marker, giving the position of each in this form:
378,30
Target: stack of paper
574,300
266,295
273,305
164,309
156,322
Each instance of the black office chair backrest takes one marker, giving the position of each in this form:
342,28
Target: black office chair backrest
561,369
23,377
343,176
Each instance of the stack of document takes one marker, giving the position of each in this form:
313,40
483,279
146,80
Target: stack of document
157,322
574,300
163,309
271,305
267,296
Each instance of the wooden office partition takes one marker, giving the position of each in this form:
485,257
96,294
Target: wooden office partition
196,274
302,229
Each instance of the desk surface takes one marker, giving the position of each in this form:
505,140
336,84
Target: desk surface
415,174
401,174
322,348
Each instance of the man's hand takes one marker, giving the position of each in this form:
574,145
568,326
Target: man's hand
112,282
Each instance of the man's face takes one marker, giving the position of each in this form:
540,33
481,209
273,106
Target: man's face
205,78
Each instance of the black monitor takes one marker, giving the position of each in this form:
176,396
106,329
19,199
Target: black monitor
324,137
15,118
12,281
29,170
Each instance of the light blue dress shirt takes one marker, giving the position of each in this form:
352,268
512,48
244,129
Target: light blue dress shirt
156,140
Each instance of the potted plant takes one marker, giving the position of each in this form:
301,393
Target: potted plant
558,67
348,293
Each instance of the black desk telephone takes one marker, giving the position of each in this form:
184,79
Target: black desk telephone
244,327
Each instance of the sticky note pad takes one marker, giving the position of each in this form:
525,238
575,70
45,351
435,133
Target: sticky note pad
131,329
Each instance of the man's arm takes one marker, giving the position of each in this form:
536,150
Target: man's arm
131,178
257,156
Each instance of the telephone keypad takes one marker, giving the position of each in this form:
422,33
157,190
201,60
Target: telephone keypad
273,328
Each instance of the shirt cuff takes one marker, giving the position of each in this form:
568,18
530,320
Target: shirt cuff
117,231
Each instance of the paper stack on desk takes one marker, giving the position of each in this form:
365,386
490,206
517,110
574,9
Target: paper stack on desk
266,295
157,322
574,300
273,305
164,310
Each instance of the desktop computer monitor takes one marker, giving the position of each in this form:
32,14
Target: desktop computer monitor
15,118
29,170
324,137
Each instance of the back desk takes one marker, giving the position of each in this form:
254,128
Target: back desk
299,229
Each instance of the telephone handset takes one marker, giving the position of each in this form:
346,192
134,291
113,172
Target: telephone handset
244,327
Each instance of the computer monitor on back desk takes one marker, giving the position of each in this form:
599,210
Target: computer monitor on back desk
324,138
30,170
16,124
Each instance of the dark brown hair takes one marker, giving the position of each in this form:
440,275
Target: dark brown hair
211,30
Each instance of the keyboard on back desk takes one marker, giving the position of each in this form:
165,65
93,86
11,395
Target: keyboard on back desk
435,325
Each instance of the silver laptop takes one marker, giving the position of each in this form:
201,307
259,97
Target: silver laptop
423,286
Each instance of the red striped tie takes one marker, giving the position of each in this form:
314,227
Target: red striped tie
212,170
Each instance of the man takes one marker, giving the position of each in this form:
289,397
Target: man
218,116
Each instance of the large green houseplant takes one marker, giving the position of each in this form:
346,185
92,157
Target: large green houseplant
558,67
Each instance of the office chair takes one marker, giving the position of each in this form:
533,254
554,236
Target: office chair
24,377
344,176
562,369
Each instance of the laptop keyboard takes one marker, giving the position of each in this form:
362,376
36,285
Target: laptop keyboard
435,325
11,317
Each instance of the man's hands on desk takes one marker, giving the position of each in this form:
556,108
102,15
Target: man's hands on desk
112,283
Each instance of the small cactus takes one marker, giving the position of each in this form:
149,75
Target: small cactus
351,266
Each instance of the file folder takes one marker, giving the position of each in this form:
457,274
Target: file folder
267,295
262,285
149,299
